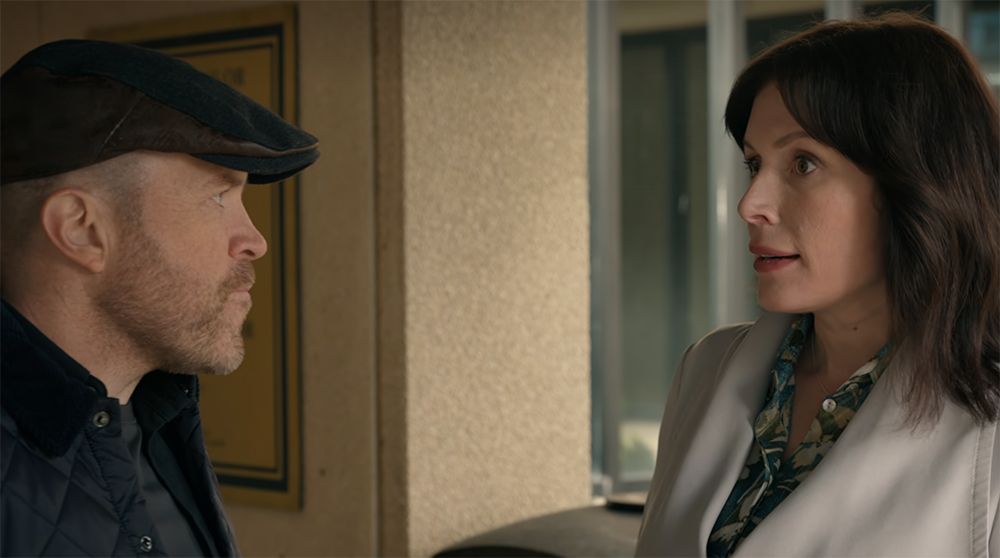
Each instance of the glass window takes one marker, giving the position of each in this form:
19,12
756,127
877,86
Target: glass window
982,34
664,254
664,211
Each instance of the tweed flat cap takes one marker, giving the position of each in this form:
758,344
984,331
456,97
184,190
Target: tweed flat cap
73,103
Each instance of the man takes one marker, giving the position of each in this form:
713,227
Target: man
126,269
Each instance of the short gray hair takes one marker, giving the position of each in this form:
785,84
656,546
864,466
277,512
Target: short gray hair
118,180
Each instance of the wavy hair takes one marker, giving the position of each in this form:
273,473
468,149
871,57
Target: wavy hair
907,103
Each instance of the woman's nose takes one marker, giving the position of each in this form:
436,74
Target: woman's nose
759,203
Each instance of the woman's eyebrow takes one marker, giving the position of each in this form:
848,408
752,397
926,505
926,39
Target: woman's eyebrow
783,140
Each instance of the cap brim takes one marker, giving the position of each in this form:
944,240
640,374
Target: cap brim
264,170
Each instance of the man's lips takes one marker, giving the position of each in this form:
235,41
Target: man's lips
241,292
241,280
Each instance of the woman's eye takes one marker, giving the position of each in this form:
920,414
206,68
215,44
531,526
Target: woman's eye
803,165
753,166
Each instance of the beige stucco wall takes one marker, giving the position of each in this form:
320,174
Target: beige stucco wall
444,265
338,289
496,241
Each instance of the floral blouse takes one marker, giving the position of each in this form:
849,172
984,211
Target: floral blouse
766,480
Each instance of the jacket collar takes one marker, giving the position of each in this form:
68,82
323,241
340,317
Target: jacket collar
161,396
721,384
51,396
744,378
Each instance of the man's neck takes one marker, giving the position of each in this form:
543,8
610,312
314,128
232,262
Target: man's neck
80,333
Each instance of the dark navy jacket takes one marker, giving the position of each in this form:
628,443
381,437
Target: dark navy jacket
69,484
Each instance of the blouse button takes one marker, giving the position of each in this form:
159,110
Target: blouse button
102,419
829,405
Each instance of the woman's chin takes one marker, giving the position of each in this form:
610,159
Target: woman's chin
780,305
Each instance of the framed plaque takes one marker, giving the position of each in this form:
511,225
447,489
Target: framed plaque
251,418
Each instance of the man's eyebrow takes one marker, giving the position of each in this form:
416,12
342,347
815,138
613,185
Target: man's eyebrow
783,140
232,180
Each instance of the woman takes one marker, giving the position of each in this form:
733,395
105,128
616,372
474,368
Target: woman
858,416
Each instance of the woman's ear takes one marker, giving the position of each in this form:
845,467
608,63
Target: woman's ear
76,223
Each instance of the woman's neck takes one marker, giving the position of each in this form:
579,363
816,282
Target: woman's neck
844,339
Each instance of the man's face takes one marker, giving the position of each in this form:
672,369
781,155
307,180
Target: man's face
179,279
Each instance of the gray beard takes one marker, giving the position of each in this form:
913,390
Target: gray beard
179,323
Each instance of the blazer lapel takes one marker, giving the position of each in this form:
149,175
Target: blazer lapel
882,490
704,440
885,489
727,433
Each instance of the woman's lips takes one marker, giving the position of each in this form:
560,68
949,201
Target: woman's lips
767,264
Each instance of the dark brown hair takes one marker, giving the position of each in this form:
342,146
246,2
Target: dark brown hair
907,104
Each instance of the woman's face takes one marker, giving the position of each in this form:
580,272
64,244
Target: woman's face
812,216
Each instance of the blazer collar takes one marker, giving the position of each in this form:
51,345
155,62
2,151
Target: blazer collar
727,430
707,430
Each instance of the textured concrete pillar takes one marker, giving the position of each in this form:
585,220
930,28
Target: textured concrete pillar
491,361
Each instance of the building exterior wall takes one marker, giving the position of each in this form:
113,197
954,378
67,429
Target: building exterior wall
444,265
496,240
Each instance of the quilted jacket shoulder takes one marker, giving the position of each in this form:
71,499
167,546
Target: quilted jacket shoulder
42,495
68,483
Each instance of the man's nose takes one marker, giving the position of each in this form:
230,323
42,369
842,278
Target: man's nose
247,242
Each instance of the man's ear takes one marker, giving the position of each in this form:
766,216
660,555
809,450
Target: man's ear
77,224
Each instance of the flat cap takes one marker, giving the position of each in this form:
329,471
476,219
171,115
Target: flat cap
73,103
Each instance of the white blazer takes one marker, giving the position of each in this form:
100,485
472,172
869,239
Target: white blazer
881,490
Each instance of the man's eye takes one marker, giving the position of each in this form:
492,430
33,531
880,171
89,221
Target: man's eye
217,198
803,165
